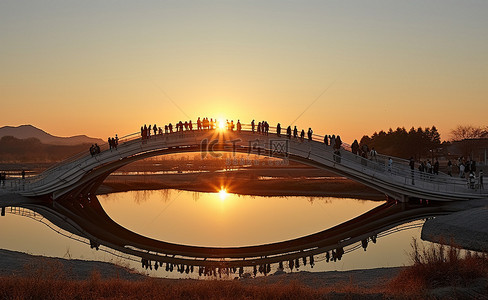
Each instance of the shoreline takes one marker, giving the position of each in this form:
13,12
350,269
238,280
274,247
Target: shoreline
243,184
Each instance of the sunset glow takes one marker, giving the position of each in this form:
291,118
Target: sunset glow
362,62
223,194
221,124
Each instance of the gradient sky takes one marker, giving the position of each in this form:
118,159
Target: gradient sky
105,67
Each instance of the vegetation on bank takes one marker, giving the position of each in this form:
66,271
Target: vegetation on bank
440,266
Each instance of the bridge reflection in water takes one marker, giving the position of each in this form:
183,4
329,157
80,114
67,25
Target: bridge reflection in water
87,219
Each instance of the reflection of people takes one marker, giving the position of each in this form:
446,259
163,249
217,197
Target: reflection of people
364,244
23,174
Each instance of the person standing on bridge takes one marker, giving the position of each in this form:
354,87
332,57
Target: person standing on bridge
310,132
326,140
295,132
288,132
449,168
278,130
302,135
332,140
411,163
372,154
480,178
338,143
239,126
355,147
252,126
199,124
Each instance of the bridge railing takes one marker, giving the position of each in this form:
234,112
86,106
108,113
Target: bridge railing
401,175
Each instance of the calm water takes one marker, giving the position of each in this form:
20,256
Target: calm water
215,219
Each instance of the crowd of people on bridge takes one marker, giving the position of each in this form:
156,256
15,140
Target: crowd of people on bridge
113,142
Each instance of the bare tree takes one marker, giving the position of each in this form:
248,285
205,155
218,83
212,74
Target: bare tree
462,132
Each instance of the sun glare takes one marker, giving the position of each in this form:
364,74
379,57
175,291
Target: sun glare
221,124
223,194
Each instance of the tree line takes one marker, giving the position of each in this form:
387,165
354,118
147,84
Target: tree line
13,150
418,142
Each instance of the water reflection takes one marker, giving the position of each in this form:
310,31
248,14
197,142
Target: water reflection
204,219
298,253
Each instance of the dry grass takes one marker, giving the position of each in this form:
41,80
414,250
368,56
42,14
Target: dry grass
96,288
433,267
439,266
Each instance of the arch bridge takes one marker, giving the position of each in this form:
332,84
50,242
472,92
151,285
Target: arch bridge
83,174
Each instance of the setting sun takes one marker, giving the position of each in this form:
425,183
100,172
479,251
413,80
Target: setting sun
223,194
221,124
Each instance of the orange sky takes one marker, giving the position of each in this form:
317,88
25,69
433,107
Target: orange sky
100,68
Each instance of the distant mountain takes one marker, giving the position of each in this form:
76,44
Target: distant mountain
29,131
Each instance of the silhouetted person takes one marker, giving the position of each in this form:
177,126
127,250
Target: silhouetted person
412,169
355,147
372,154
309,133
288,132
338,142
239,126
23,174
326,140
302,135
278,130
480,178
436,167
295,132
